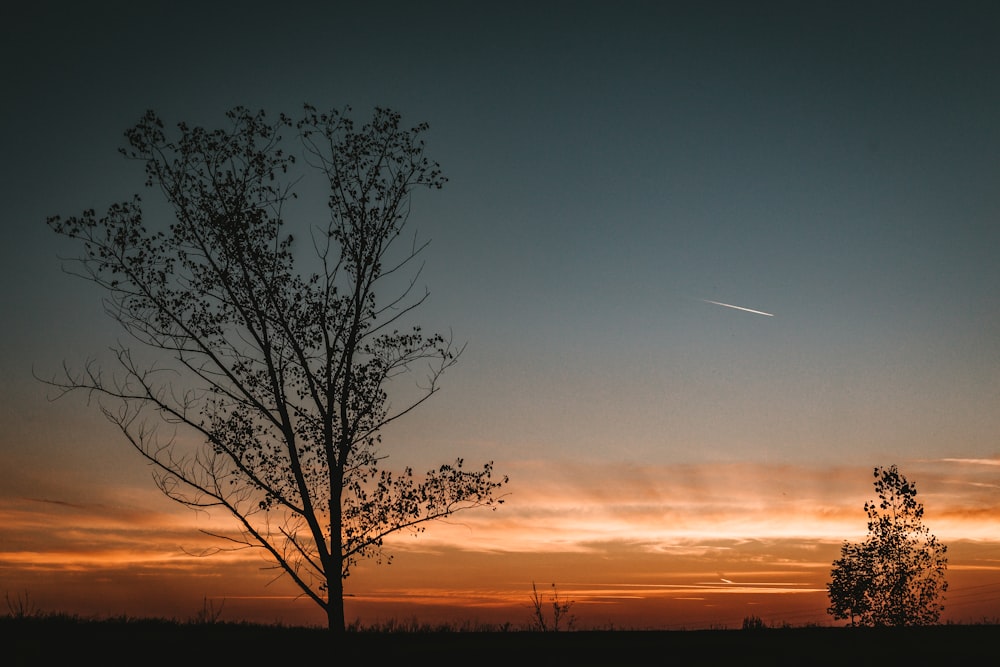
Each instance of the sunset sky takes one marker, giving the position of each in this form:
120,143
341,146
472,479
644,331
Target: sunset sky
617,171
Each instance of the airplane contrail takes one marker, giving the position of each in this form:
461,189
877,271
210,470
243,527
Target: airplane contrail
729,305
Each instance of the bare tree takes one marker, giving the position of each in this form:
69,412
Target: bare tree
896,576
257,388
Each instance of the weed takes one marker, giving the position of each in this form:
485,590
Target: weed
21,606
560,611
208,614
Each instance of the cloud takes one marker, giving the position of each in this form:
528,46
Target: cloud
572,506
979,462
607,533
555,506
50,534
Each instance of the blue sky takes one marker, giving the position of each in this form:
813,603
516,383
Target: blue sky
611,166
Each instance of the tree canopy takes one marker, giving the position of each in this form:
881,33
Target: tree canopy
254,386
896,576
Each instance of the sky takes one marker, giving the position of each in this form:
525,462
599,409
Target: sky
616,172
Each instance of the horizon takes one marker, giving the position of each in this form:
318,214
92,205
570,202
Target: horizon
619,564
713,263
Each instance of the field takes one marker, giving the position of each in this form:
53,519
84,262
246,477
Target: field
58,640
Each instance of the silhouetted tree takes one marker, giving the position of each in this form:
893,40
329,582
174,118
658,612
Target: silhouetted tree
896,576
849,587
270,383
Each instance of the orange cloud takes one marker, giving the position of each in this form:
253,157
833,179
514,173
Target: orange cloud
557,506
628,542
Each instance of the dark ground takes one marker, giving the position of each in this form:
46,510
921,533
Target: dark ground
64,641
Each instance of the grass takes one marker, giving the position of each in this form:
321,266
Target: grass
39,638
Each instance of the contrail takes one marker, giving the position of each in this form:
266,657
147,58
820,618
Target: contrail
729,305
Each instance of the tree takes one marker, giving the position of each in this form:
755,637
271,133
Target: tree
896,576
848,589
255,387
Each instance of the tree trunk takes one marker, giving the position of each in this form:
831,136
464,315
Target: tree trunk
335,565
335,602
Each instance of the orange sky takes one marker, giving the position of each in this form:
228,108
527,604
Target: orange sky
681,546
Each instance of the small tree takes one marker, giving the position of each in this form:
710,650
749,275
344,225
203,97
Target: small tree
896,576
273,381
849,587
